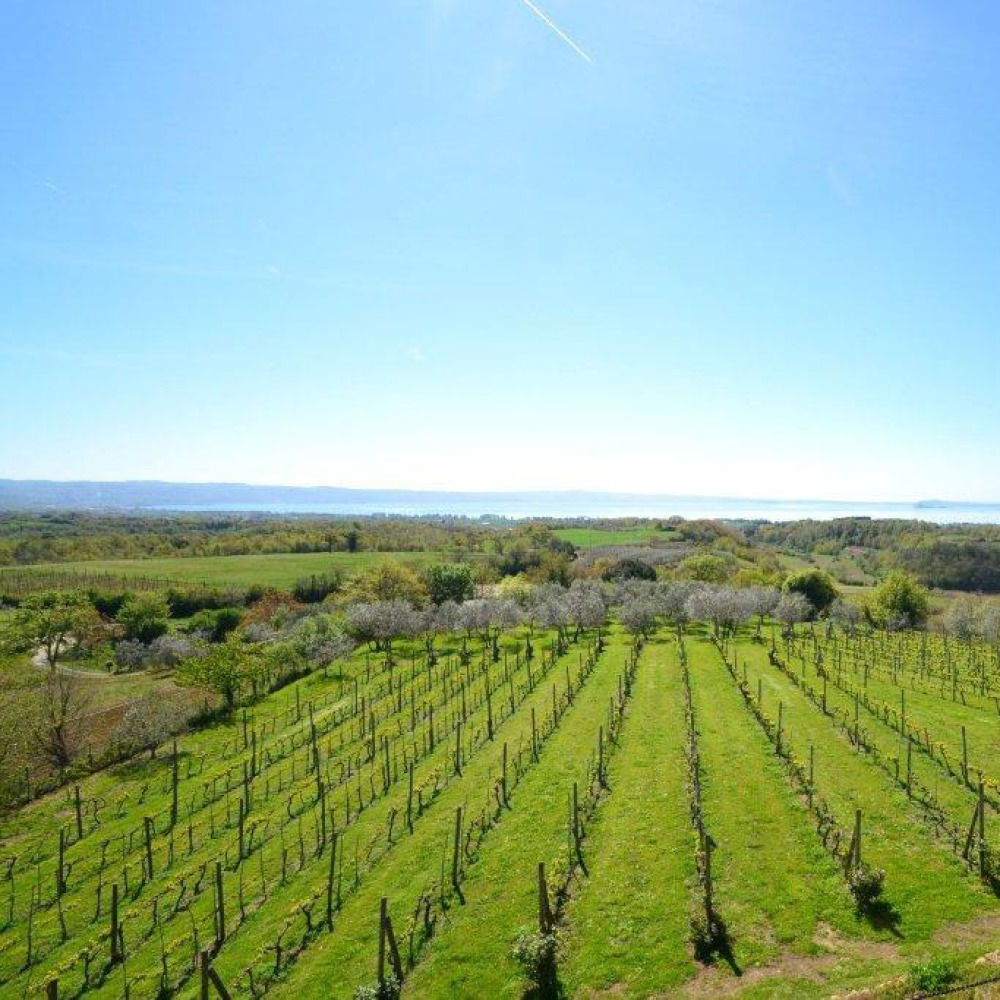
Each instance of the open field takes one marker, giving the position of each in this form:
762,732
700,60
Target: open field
341,790
280,570
588,538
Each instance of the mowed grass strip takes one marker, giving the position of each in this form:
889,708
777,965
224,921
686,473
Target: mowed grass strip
925,884
774,883
627,925
337,963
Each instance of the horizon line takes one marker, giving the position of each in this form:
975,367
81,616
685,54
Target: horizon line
533,492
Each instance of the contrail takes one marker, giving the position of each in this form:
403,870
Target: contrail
555,27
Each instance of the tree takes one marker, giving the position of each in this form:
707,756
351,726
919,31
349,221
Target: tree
450,582
222,669
62,699
390,580
149,721
707,568
793,608
815,585
899,601
144,616
52,621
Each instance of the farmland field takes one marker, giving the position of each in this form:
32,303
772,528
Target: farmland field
279,570
586,538
440,788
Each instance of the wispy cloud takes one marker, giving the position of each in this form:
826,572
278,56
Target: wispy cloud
415,354
539,13
53,187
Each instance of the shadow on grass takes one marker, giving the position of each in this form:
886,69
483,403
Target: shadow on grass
714,943
548,986
883,916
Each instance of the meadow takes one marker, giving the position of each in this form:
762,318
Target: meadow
280,570
698,799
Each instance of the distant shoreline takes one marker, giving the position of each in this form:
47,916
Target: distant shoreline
162,497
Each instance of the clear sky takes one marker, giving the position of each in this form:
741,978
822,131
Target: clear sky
723,246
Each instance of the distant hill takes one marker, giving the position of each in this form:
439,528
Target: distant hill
36,494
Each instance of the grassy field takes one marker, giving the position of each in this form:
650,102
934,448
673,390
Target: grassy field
281,570
588,538
306,805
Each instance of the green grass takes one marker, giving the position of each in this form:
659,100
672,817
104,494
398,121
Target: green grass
588,538
471,953
280,570
627,929
925,883
774,884
794,932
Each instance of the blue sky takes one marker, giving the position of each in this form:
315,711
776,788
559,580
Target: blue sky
749,248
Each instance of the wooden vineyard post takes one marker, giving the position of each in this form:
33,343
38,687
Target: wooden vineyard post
174,779
545,920
147,823
220,908
982,828
856,860
456,851
52,990
577,831
760,694
909,768
115,932
902,713
79,812
60,863
600,757
780,712
489,714
503,774
812,771
534,737
409,801
387,942
331,871
209,977
965,757
824,694
707,845
458,750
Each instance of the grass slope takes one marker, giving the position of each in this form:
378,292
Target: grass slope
627,924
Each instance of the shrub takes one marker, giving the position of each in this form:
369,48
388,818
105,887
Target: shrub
388,989
215,625
314,589
866,884
536,952
629,569
144,616
938,974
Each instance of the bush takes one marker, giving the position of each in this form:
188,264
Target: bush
316,588
144,616
866,884
938,974
629,569
536,953
450,582
215,625
815,585
386,990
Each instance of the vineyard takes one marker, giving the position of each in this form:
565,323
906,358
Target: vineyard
549,813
